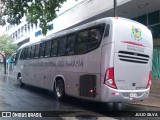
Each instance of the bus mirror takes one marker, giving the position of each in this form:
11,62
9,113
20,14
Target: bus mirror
107,30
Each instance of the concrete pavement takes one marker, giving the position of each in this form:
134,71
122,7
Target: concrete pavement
154,97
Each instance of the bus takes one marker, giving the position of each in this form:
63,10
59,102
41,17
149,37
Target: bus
106,60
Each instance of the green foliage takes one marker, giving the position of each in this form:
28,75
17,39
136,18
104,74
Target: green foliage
6,45
43,11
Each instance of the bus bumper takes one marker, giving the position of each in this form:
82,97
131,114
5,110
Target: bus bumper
114,95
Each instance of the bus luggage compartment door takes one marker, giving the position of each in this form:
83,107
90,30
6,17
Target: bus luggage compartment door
88,85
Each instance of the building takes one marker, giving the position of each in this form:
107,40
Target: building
146,12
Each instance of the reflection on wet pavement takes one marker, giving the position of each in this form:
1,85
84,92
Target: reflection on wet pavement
29,98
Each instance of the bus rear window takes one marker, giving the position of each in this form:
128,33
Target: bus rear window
94,38
89,39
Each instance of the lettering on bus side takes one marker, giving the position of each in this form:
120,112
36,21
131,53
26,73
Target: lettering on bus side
73,63
135,48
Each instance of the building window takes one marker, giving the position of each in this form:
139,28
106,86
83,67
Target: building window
32,26
25,28
13,36
135,19
18,33
153,18
142,19
50,27
38,33
155,31
21,31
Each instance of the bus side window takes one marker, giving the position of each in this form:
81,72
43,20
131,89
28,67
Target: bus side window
36,54
25,53
70,44
81,43
17,56
62,46
47,49
94,38
22,54
42,46
32,51
29,52
54,47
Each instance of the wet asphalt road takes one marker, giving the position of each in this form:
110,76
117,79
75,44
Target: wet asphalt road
29,98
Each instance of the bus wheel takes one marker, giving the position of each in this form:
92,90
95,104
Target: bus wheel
19,79
59,91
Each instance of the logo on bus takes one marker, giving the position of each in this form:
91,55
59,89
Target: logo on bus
136,33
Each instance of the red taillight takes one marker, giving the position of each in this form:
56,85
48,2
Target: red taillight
149,80
109,78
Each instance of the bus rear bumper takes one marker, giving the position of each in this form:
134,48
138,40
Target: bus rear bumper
114,95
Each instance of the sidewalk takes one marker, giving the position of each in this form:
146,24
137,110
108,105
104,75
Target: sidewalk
154,98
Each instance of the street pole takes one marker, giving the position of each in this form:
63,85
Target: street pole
115,8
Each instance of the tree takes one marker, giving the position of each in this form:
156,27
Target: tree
6,48
43,11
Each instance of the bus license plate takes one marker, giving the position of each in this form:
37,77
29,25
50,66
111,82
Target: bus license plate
133,95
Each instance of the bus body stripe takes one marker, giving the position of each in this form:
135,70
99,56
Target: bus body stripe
133,43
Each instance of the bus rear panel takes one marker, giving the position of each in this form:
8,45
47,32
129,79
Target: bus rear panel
127,77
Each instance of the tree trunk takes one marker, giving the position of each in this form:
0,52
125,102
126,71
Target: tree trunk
4,62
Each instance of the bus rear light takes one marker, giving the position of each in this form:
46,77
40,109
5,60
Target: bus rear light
109,78
149,80
114,93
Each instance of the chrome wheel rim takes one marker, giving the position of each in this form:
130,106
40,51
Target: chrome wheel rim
59,90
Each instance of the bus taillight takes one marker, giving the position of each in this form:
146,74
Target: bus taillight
109,78
149,80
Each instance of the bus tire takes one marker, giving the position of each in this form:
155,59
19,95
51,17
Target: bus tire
19,79
59,90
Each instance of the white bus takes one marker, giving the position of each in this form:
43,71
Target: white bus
107,60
